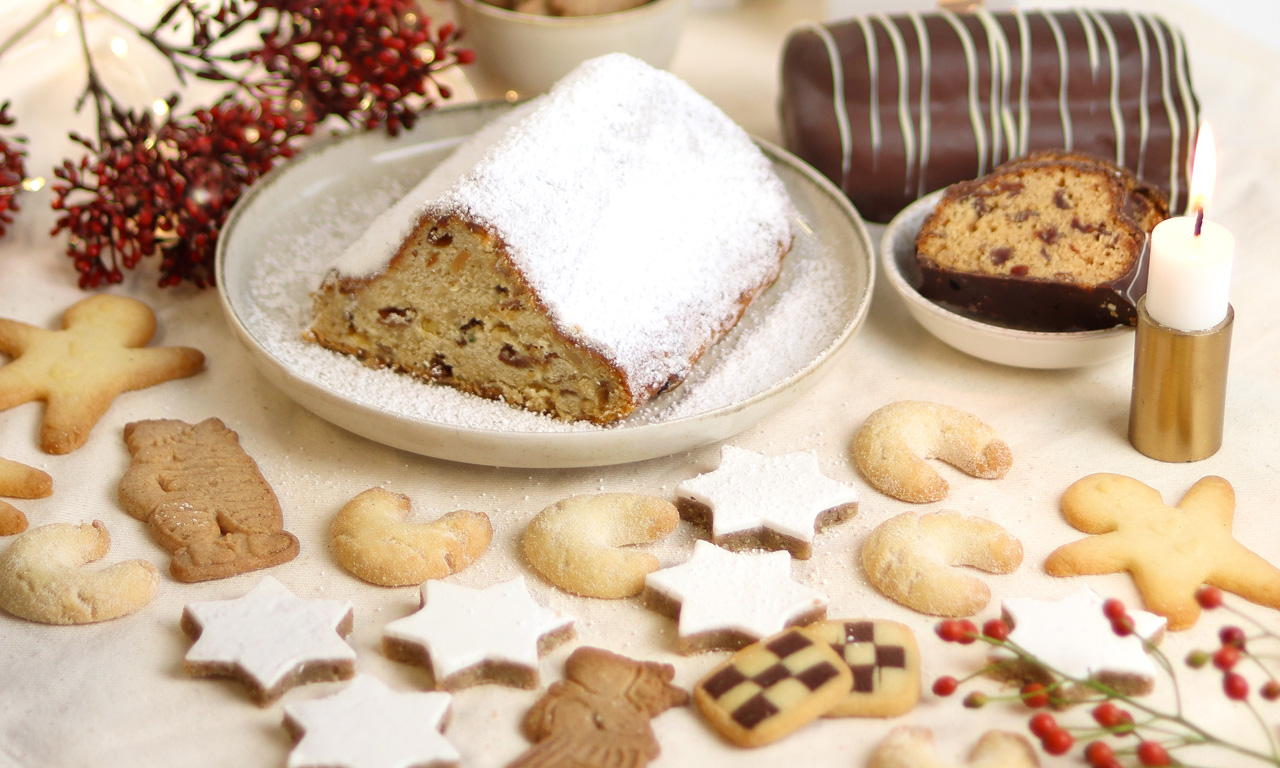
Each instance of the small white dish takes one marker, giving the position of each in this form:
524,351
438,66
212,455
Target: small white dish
988,341
289,227
527,53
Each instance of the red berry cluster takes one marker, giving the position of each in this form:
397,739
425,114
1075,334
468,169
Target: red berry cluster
368,62
165,188
12,169
1232,648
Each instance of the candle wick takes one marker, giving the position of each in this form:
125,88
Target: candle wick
1199,220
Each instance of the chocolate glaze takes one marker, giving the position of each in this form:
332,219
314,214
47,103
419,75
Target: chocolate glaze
893,107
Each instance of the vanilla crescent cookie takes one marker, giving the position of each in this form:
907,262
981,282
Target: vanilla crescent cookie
754,501
911,558
1170,551
891,447
575,542
100,353
21,482
371,539
41,578
912,747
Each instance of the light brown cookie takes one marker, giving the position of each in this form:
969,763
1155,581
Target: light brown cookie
41,578
77,371
912,747
22,482
575,542
771,688
598,716
911,558
371,539
1170,551
891,447
885,662
204,499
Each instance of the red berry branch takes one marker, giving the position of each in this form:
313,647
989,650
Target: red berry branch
159,183
13,170
1122,730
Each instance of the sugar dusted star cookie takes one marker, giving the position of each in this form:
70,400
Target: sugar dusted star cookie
368,725
467,636
1170,551
1072,636
270,640
754,501
100,352
724,599
22,482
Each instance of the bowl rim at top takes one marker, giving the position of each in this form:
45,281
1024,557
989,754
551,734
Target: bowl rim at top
602,19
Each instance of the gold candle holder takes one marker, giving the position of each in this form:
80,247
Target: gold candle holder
1179,388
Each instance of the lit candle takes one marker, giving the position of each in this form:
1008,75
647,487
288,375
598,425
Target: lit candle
1190,270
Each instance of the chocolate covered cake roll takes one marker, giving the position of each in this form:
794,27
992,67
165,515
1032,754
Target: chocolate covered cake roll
893,107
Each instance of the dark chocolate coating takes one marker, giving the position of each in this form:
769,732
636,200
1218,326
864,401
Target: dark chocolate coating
1127,97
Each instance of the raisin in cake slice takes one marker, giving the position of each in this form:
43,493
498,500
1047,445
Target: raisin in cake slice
577,257
1052,241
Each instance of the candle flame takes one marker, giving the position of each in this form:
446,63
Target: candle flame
1204,166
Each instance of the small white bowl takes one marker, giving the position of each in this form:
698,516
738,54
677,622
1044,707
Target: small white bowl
998,344
527,53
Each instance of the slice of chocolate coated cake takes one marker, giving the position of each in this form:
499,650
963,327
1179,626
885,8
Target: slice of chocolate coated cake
1052,241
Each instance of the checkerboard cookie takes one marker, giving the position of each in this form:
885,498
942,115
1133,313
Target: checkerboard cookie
768,690
885,662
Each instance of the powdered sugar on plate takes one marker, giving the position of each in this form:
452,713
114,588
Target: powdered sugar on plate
295,226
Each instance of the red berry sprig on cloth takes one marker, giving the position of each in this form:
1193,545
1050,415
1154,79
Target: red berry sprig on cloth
1159,734
13,169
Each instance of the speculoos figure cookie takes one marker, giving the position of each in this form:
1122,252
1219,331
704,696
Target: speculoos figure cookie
204,499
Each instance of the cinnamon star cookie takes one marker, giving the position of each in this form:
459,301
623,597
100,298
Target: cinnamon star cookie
1170,551
77,371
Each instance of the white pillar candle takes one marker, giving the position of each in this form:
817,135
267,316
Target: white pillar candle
1189,275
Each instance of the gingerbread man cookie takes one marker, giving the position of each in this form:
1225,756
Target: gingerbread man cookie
22,482
77,371
598,716
1170,551
204,499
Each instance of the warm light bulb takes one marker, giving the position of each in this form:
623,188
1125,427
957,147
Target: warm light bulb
1204,166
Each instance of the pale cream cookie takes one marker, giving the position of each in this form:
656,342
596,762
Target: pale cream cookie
371,539
368,725
41,578
270,640
1170,551
467,636
754,501
911,558
21,482
912,747
771,688
891,447
575,542
100,353
723,599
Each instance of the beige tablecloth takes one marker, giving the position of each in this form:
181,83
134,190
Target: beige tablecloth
114,694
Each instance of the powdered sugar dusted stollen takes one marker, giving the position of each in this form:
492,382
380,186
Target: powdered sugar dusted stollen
575,259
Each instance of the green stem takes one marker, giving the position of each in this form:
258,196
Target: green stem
25,29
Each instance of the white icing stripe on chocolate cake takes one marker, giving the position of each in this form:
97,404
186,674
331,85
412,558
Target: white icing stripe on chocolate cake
1184,89
1024,109
873,68
1064,77
1117,118
975,110
904,88
922,37
1166,95
1144,117
837,88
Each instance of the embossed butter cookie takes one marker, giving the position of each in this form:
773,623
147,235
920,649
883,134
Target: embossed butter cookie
753,501
100,353
772,688
204,499
22,482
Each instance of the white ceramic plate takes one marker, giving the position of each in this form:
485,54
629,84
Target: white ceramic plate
286,230
996,343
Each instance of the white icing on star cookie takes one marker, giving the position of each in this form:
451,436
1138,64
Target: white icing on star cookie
368,725
728,599
773,502
1073,636
470,636
270,639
